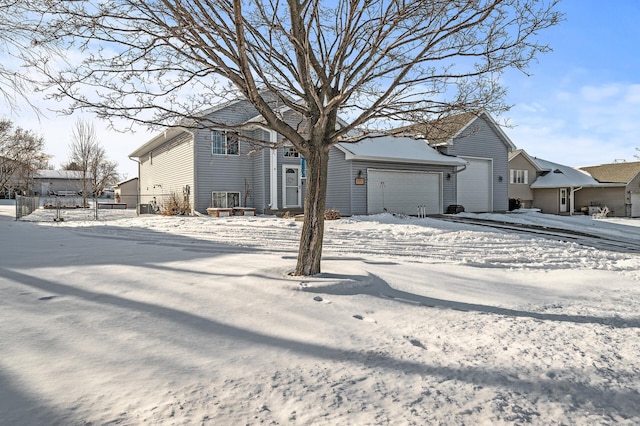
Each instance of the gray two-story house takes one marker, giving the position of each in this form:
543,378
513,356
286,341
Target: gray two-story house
228,168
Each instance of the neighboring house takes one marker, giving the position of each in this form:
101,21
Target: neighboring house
559,189
476,137
127,192
58,182
224,169
623,194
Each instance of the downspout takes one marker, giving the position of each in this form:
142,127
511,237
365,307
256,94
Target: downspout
138,192
572,200
195,173
273,170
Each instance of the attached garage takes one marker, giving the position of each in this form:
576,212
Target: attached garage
635,204
474,186
403,192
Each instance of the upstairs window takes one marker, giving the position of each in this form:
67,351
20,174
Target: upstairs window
224,143
519,176
291,152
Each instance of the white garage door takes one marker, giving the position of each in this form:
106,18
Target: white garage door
475,191
635,205
402,192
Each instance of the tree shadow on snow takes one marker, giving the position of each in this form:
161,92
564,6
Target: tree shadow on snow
18,407
624,403
372,285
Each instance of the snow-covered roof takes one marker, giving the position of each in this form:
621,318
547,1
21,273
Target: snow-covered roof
126,181
558,175
398,150
58,174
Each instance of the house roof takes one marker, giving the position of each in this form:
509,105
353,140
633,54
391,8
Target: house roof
558,176
445,130
126,181
58,174
615,172
157,141
398,150
523,153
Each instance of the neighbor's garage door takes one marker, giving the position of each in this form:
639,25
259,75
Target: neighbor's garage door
475,191
635,204
402,192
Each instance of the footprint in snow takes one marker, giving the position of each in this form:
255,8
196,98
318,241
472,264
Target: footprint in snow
365,319
47,297
320,299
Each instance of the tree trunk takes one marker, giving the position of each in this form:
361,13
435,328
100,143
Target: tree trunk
310,252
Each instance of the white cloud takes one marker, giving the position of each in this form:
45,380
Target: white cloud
592,124
600,93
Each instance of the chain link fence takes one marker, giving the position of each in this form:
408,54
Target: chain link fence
26,205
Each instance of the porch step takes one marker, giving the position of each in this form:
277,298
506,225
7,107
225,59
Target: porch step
282,212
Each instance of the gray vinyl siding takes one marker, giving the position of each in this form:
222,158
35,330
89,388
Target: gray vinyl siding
261,174
479,140
167,170
224,173
340,183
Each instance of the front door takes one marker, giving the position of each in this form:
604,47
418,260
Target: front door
291,188
563,200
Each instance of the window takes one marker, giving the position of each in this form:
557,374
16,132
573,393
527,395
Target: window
224,143
290,151
225,200
519,176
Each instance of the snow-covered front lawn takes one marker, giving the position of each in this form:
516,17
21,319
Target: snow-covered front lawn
194,320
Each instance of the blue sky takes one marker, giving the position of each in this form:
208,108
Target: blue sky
580,106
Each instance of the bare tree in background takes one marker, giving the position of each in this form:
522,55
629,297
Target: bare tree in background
374,63
89,157
21,155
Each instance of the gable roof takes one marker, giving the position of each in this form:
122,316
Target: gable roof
157,141
398,150
444,131
523,153
614,172
59,174
559,176
125,181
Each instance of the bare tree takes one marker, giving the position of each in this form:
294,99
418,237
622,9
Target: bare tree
21,155
89,157
373,63
18,47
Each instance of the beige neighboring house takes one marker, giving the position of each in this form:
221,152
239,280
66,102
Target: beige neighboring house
127,192
625,195
559,189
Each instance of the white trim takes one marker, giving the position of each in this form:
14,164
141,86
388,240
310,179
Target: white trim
563,207
273,171
284,186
